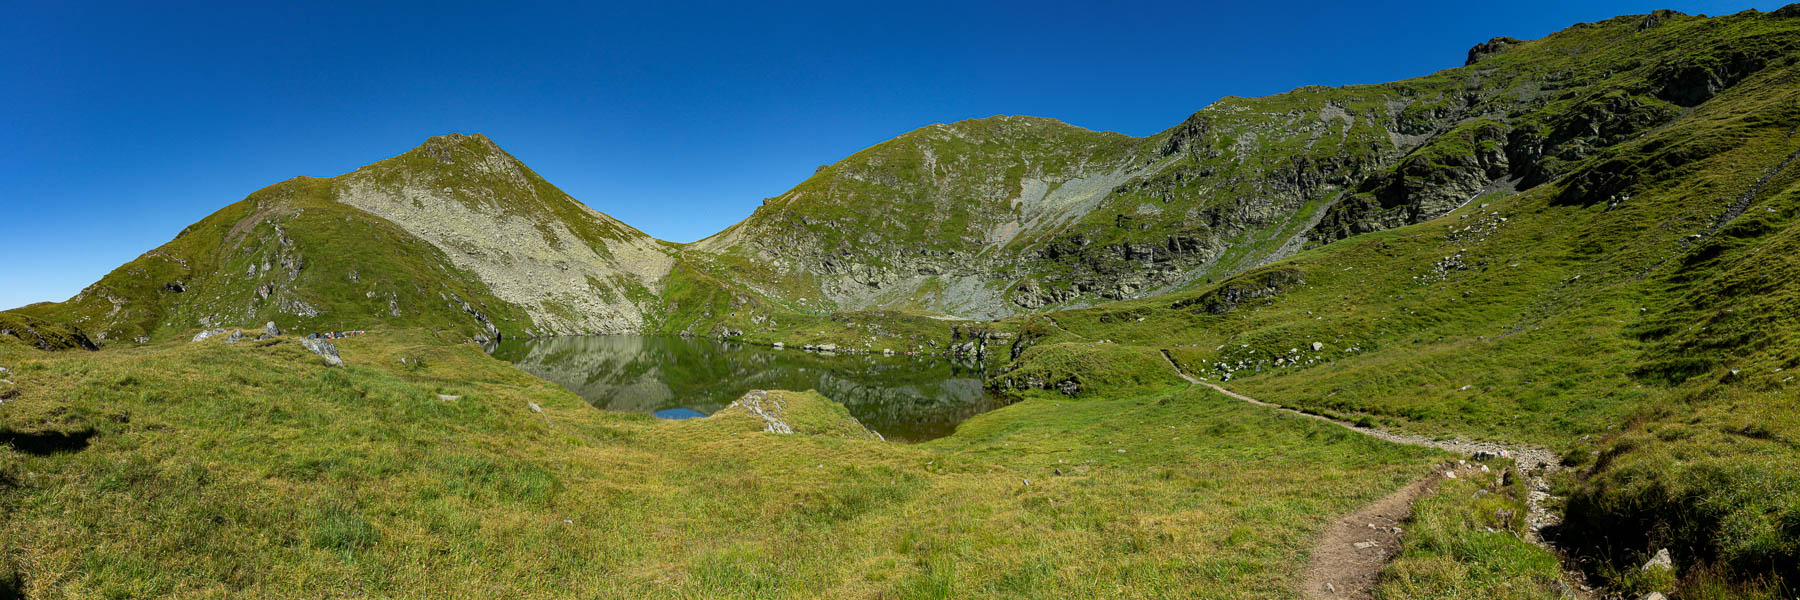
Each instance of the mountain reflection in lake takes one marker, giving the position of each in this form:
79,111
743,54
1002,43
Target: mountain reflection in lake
906,398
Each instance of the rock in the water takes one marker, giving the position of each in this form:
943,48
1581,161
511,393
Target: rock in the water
271,329
323,348
1662,560
208,333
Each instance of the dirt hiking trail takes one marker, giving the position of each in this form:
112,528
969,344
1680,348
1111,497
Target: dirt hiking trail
1347,561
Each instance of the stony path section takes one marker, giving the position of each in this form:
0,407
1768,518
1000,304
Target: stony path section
1342,566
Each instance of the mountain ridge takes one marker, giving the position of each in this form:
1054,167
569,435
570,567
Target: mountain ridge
1009,215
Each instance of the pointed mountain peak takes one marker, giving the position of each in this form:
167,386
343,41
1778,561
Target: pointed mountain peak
446,148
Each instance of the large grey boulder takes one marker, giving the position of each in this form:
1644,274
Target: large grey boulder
323,348
206,334
270,329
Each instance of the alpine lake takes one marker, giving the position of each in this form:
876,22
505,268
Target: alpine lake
905,398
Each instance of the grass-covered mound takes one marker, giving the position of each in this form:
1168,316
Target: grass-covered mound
804,413
1087,368
251,469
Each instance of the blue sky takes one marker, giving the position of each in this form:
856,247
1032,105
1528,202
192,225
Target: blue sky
122,123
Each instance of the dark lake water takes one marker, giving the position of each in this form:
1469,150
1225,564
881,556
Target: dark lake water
906,398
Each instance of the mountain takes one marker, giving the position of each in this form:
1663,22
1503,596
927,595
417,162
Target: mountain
978,219
1008,215
454,234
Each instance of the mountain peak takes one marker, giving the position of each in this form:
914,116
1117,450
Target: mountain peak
444,148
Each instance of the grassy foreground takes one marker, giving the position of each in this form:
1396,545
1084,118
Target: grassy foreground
214,470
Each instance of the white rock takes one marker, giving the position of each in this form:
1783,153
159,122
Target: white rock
323,348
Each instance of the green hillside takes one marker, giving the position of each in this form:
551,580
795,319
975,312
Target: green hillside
1585,243
1634,314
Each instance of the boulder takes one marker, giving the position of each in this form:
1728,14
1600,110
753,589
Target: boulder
206,334
271,329
1662,560
237,335
323,348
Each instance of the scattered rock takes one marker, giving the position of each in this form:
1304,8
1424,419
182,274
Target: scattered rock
1317,346
1662,560
763,406
323,348
208,333
534,407
449,397
270,329
237,335
1655,596
1491,46
1364,545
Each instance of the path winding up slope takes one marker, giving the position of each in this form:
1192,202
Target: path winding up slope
1347,561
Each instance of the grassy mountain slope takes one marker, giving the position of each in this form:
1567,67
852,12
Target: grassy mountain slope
290,254
1635,313
252,470
454,234
1007,215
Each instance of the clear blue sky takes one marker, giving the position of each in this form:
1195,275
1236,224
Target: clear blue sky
121,124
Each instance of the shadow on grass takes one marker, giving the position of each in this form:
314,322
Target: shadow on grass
45,443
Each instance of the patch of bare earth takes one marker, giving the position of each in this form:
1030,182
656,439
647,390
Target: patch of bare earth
1347,562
